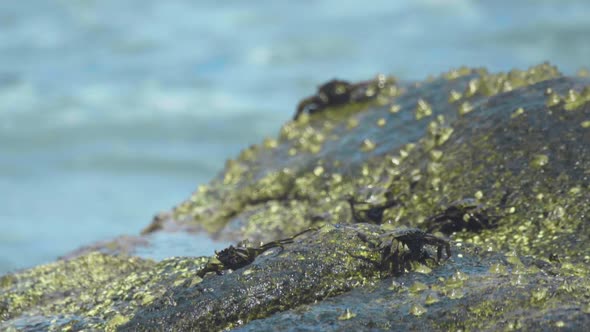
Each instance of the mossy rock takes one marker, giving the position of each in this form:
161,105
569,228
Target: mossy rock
517,144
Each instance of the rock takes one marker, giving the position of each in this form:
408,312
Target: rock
469,298
500,163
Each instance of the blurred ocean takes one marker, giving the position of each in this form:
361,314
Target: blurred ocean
111,111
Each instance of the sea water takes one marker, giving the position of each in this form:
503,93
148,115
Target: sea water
111,111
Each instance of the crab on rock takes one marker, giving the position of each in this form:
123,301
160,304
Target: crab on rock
395,257
242,254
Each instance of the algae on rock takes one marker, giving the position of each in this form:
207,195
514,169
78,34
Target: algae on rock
516,143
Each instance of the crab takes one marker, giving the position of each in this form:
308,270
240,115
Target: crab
373,214
243,254
462,214
334,92
337,92
396,258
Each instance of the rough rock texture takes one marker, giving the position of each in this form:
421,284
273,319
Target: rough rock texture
516,144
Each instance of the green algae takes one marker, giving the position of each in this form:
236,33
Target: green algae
36,287
418,287
423,109
539,160
421,268
95,291
431,299
418,310
454,96
465,108
518,112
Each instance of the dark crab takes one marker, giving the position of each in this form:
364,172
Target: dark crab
338,92
334,92
463,214
396,258
243,254
373,213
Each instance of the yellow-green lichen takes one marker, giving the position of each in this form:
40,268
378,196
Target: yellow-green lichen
518,112
103,291
418,310
367,145
348,314
418,287
465,108
423,109
539,160
394,108
454,96
457,73
431,299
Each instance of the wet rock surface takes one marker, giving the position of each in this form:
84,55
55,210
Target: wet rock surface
498,163
477,291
